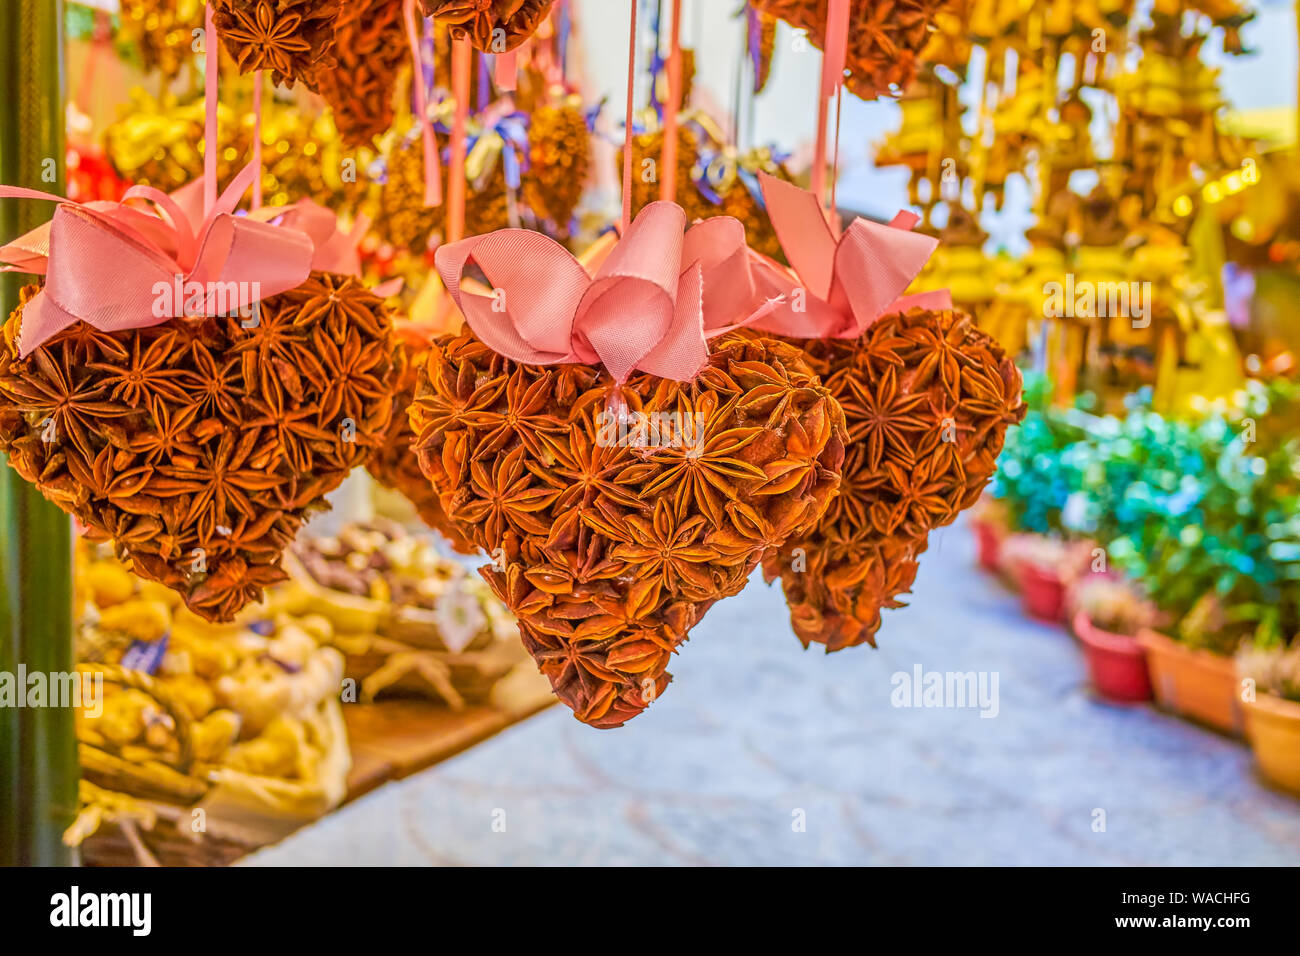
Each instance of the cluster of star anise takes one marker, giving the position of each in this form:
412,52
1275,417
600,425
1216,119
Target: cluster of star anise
200,445
609,545
370,46
394,464
493,26
294,39
928,399
886,38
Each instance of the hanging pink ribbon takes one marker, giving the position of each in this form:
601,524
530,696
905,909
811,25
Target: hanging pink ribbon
432,161
834,59
653,303
837,285
103,261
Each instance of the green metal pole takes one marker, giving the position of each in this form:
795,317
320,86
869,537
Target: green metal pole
38,749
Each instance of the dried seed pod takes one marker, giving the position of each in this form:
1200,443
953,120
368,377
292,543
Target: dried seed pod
928,399
612,534
493,26
370,46
294,39
885,38
394,464
200,445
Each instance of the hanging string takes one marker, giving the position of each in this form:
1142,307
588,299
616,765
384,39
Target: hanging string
668,175
507,70
835,163
257,138
462,64
627,130
210,146
432,163
833,62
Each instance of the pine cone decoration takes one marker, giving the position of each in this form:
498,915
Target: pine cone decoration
885,38
928,399
294,39
493,26
394,464
200,446
609,551
559,156
370,45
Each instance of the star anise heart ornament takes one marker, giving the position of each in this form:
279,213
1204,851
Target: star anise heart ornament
616,516
201,445
928,399
492,26
886,38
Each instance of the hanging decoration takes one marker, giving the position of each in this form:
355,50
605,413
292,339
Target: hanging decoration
610,541
189,382
927,398
162,31
294,39
492,26
884,40
370,47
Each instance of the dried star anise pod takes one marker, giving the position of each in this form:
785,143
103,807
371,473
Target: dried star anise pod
162,31
885,38
928,399
611,535
294,39
492,26
370,47
200,445
394,464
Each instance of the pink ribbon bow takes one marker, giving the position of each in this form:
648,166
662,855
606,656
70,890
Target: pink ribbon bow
655,300
105,262
837,286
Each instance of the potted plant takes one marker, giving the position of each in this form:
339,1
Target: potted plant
1044,568
1108,614
989,522
1270,673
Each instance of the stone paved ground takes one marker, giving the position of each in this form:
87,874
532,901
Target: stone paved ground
755,735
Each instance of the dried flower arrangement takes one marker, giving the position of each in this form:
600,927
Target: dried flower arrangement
162,31
492,26
886,38
201,445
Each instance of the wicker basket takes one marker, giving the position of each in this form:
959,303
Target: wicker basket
169,798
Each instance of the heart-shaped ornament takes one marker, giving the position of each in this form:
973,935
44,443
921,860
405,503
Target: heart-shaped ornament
928,399
200,445
616,516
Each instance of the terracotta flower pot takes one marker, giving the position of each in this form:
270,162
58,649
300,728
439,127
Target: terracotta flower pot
1042,592
1193,682
1117,666
1273,726
988,544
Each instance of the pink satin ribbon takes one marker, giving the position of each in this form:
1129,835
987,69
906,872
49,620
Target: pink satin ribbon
837,285
834,59
654,301
103,261
429,139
